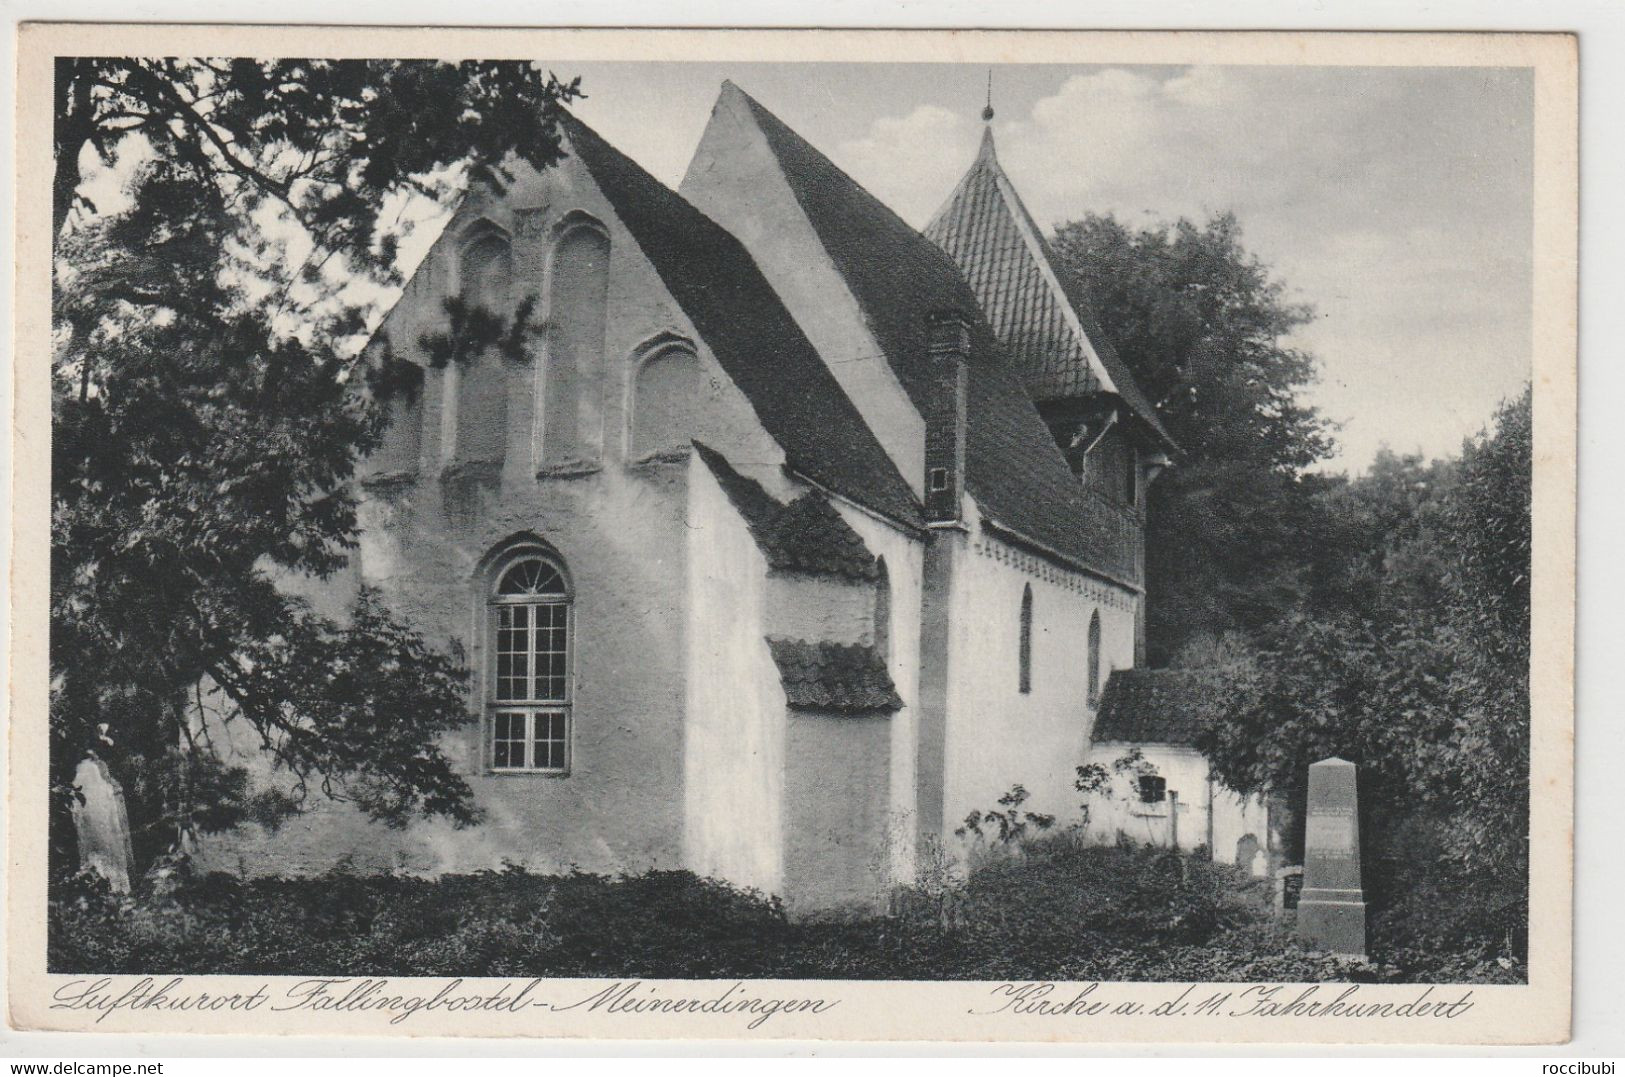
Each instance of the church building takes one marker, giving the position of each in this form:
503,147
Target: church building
794,536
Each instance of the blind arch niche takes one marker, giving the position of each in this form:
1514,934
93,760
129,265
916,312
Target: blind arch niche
666,402
570,430
484,282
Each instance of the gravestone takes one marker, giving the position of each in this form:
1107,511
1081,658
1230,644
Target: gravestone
103,824
1331,909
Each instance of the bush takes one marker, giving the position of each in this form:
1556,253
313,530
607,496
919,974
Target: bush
1053,908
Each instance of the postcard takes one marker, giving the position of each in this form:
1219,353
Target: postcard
863,535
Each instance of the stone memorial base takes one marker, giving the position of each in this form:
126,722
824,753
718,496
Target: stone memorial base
1333,921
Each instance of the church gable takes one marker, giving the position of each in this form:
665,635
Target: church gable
563,248
532,323
755,339
736,178
902,281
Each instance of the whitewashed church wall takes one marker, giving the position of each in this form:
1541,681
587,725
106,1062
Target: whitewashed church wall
733,765
905,566
735,179
835,852
537,210
619,535
997,735
619,528
819,608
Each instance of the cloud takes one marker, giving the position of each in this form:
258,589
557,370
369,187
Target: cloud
1397,201
902,160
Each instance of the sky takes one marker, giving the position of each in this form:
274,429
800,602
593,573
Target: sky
1396,201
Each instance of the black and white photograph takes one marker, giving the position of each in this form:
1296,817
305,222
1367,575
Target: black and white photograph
776,524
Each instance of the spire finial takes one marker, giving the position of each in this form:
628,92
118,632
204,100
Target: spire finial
987,110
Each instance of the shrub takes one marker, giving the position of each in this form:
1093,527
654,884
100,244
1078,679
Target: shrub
1061,910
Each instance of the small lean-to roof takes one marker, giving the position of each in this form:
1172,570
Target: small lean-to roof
751,334
1014,470
850,678
1039,312
1156,706
806,535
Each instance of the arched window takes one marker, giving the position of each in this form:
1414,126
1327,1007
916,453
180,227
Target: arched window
1026,656
531,666
484,277
1094,658
574,371
666,401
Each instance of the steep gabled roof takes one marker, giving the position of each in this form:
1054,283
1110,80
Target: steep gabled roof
1038,311
745,325
849,678
1156,706
1014,470
806,535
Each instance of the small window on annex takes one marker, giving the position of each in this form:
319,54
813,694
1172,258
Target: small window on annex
1153,789
530,645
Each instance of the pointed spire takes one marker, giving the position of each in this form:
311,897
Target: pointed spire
986,153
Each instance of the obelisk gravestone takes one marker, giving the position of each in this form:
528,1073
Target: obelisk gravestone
1331,910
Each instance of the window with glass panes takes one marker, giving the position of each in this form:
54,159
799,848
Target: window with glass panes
530,646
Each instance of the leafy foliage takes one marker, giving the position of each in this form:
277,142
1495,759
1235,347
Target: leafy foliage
1094,781
1413,661
1007,823
471,331
329,141
207,422
1060,910
1202,324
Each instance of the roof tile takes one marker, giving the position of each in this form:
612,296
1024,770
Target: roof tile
1157,706
806,535
849,678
